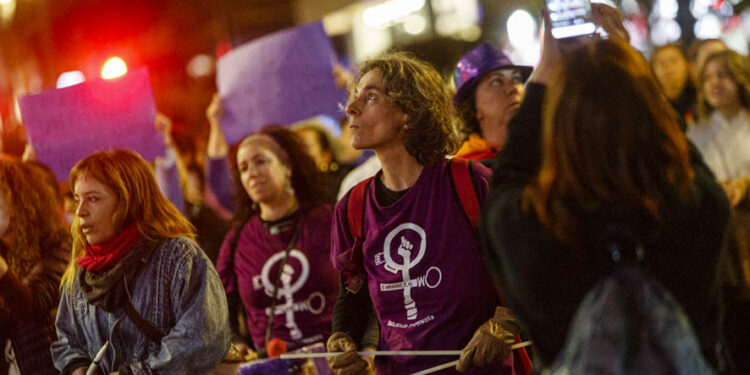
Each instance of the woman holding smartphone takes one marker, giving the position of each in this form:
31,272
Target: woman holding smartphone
600,165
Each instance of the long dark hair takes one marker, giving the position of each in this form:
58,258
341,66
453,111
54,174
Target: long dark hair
605,147
307,181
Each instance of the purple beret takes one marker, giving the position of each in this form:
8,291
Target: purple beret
478,62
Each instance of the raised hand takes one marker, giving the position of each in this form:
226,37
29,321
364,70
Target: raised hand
609,19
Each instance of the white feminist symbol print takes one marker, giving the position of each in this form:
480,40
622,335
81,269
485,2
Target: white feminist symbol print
407,258
287,287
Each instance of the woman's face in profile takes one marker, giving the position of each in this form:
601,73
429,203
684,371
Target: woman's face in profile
97,204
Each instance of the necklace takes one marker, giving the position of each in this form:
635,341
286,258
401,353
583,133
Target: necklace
280,225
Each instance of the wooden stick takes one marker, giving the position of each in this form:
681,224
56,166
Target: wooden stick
454,363
389,352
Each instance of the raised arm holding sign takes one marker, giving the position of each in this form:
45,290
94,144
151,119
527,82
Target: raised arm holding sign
65,125
281,78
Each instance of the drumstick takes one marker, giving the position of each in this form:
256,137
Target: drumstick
389,352
454,363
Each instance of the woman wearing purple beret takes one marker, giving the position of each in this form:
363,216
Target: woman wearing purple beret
489,90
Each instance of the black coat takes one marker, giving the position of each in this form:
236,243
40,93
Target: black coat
542,279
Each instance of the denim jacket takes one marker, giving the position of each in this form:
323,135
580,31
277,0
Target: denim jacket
178,291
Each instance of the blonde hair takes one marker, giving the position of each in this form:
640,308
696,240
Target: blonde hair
32,207
139,201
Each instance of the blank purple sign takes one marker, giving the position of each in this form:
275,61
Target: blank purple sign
281,78
68,124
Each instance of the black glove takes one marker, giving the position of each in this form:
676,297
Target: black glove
491,342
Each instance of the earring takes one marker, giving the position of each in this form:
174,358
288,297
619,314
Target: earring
288,188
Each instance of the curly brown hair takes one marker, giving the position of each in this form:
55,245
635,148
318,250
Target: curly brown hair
307,181
419,91
35,222
739,68
467,110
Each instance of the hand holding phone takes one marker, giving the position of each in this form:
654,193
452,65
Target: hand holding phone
550,54
570,18
610,20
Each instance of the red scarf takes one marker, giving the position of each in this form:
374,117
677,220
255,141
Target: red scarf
107,255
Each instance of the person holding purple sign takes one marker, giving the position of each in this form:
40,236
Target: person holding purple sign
274,262
416,259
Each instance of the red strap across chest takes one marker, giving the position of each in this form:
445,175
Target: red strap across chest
355,207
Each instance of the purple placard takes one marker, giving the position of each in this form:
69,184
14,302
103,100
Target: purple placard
281,78
65,125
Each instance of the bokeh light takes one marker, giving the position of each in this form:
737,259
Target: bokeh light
70,78
201,65
521,28
115,67
708,27
415,24
665,31
382,15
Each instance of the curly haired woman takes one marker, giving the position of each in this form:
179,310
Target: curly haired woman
34,248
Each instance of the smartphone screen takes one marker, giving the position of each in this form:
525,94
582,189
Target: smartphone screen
569,18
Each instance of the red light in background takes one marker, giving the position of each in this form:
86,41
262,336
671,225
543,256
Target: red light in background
115,67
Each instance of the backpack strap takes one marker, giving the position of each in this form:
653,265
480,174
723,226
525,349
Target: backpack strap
351,260
355,207
465,188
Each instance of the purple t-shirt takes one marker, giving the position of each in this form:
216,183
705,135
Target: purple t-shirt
424,270
308,286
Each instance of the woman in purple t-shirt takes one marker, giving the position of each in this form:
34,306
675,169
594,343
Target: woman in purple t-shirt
419,264
275,260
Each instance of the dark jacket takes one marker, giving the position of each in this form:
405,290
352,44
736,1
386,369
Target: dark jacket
544,281
27,308
177,290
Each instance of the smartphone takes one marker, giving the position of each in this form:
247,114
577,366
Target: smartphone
570,18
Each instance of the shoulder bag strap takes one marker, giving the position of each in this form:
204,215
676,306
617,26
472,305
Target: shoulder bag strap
292,241
143,325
